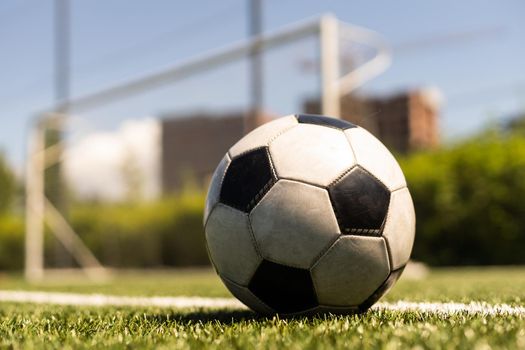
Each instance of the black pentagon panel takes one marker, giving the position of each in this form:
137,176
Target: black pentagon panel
360,203
382,290
247,180
285,289
324,121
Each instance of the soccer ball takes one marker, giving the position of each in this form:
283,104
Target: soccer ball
309,214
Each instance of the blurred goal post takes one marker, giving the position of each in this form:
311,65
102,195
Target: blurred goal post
40,211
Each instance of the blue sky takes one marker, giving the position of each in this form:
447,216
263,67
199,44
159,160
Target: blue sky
482,79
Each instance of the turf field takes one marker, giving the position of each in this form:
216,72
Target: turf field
53,326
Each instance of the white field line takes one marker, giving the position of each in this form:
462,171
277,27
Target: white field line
198,302
113,300
453,308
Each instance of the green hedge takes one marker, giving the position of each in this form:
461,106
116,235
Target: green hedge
11,242
164,233
469,199
470,202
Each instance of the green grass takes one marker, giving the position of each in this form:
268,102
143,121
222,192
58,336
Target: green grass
38,326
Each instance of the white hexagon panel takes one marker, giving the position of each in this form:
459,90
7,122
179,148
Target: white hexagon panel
261,136
351,271
400,227
294,223
374,157
311,153
231,244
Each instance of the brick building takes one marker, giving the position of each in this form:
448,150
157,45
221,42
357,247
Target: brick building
193,145
404,122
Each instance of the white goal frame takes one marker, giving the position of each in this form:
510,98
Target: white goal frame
40,211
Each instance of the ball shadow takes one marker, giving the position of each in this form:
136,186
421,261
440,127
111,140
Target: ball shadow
229,317
224,317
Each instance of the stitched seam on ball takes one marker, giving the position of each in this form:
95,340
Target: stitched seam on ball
245,287
375,177
389,253
274,172
252,235
325,126
276,261
387,243
220,186
247,151
209,215
350,143
303,182
336,212
323,251
328,125
337,179
324,254
387,216
254,240
399,189
270,160
363,231
383,224
224,173
259,195
280,133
